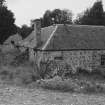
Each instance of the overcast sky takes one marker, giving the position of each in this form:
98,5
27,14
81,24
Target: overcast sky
25,10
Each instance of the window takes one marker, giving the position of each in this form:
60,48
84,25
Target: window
102,59
58,58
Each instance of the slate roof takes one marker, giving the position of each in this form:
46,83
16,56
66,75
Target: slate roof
16,38
45,33
68,37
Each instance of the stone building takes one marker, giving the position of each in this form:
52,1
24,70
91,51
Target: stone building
77,45
8,44
37,38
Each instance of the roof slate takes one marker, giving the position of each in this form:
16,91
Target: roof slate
77,37
30,41
16,38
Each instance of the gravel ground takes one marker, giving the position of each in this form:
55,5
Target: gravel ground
15,95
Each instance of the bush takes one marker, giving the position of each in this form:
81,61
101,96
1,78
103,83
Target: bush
52,68
93,88
57,84
20,59
96,72
82,71
99,71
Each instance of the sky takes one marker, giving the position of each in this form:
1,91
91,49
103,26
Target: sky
26,10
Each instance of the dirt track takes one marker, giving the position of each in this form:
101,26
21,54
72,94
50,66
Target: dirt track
12,95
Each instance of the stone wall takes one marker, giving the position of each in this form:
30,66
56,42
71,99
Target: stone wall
77,59
97,58
84,59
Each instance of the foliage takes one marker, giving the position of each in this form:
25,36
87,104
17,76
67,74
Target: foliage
7,26
22,75
66,16
25,31
92,16
57,84
52,68
56,16
2,2
47,19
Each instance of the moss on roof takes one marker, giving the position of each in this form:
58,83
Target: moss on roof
30,41
16,38
78,37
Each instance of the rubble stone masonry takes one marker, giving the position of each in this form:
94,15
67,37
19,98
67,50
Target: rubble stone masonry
87,59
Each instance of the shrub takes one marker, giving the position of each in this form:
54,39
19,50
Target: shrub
25,74
96,72
99,71
82,71
57,84
20,59
52,68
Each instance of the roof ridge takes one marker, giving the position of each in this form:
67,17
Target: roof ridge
47,27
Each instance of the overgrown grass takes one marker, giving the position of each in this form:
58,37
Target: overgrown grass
81,81
16,68
56,84
24,73
21,75
72,85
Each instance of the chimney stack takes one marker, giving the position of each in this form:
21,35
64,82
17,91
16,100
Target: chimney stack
37,31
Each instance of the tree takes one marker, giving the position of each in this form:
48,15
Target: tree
62,16
47,19
2,2
104,18
7,26
66,16
92,16
56,16
25,31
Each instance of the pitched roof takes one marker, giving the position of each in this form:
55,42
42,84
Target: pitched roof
77,37
16,38
30,41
